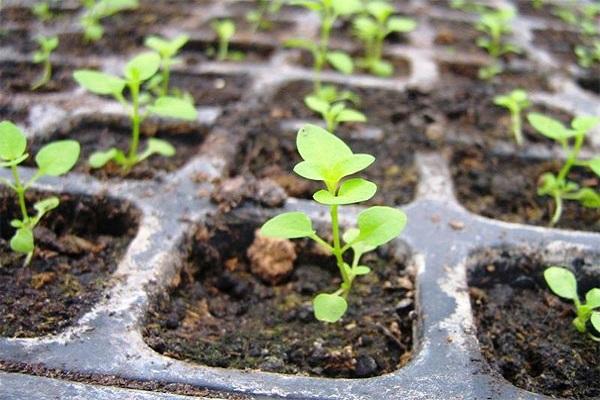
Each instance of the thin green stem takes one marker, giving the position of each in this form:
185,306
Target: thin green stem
337,250
571,158
136,120
20,190
558,201
516,126
321,54
223,49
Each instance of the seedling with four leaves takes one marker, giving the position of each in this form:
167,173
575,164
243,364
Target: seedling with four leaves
559,187
515,101
495,24
372,28
167,50
54,159
329,11
225,29
137,71
333,113
328,159
42,56
96,10
563,283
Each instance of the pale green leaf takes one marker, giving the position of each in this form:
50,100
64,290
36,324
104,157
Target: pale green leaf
98,82
99,158
43,206
595,320
348,166
57,158
320,147
361,270
549,127
316,104
310,171
595,165
291,225
351,191
329,307
142,67
562,282
584,124
378,225
592,298
22,241
174,107
401,24
12,141
341,61
349,115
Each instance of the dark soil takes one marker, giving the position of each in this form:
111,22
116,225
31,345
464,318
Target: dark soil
221,315
18,40
202,50
16,77
210,89
462,36
11,113
279,29
95,135
20,15
525,332
505,188
545,12
78,247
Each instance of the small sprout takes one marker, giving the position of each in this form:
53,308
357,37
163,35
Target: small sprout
516,101
469,6
261,17
42,56
329,11
167,50
137,71
372,28
225,29
537,4
559,187
495,25
54,159
563,283
95,10
588,56
328,159
333,113
42,11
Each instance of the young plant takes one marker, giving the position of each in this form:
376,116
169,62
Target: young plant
328,159
495,24
515,101
53,159
225,29
469,6
96,10
261,17
563,283
167,50
588,56
42,11
329,11
137,71
372,28
559,187
333,113
42,56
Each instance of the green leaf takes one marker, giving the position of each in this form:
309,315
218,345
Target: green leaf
310,171
349,115
340,61
22,241
291,225
381,10
166,48
382,68
584,124
351,191
592,298
99,158
329,307
348,166
595,320
98,82
320,147
401,24
562,282
225,29
594,164
378,225
316,104
588,197
142,67
174,107
549,127
157,146
57,158
12,141
298,43
43,206
309,4
346,7
361,270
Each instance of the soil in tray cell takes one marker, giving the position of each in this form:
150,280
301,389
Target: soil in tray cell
79,245
526,333
17,77
221,314
505,188
211,89
203,50
100,135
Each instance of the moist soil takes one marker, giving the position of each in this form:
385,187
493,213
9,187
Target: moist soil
16,77
211,89
13,114
102,135
462,36
525,332
78,247
505,188
219,314
204,50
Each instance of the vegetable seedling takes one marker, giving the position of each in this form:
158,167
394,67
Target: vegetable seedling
137,71
167,50
54,159
372,28
333,113
559,187
42,11
225,29
261,18
515,101
563,283
42,56
96,10
495,25
329,11
588,56
328,159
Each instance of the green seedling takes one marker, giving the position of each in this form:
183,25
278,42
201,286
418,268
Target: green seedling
328,159
580,16
372,28
329,11
96,10
333,113
225,29
563,283
137,71
42,56
261,18
53,159
495,25
515,101
167,50
469,6
537,4
42,11
588,56
559,187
